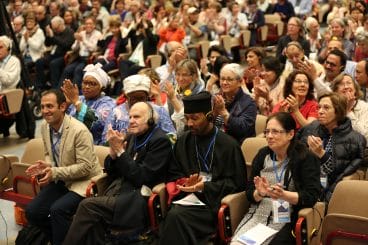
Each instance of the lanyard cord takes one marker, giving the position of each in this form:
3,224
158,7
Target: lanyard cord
137,147
55,154
202,159
283,167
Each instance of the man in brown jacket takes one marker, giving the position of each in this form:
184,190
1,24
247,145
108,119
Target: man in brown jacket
64,175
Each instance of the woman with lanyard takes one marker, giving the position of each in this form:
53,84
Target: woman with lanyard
284,179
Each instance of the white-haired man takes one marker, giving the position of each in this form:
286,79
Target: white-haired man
137,161
60,37
9,77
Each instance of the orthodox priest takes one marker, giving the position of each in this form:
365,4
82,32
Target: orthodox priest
208,166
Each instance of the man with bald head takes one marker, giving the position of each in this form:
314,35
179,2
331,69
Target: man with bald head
137,161
43,19
60,38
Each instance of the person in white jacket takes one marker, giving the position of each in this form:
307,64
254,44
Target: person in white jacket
357,109
32,43
9,77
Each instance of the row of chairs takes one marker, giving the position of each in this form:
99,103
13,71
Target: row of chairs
268,34
17,187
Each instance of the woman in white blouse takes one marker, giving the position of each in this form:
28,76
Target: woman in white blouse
357,109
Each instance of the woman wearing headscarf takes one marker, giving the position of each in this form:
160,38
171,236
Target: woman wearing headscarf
92,107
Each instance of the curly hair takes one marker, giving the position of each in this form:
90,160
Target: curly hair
289,84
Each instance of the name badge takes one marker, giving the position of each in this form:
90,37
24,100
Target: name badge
207,177
324,181
281,211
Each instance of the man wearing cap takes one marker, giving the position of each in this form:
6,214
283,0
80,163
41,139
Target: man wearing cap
209,165
93,107
70,163
197,30
137,162
136,88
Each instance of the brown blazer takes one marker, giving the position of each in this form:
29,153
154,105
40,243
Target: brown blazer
77,161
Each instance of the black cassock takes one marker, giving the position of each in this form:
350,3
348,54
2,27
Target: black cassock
225,163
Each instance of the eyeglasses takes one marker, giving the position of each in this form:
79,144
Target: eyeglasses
301,81
274,131
87,83
330,64
228,79
185,75
324,107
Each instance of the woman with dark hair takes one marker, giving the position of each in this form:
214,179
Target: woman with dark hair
332,139
253,57
112,45
213,83
206,64
299,99
268,88
284,173
143,43
71,19
357,109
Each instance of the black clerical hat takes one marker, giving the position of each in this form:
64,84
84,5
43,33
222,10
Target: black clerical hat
198,103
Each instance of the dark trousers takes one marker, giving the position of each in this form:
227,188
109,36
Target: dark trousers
55,65
91,220
284,236
52,210
187,225
107,66
128,68
74,72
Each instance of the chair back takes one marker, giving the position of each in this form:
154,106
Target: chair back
154,60
101,153
33,151
260,124
14,99
346,221
6,175
250,148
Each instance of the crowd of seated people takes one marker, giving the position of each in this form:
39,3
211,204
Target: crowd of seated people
312,87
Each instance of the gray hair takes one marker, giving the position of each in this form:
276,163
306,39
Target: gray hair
343,23
309,21
234,68
7,42
361,37
20,18
58,20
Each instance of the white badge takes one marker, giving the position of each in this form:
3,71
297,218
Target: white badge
324,181
281,211
207,177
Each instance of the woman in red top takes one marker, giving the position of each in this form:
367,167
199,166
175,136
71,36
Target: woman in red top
173,32
299,99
